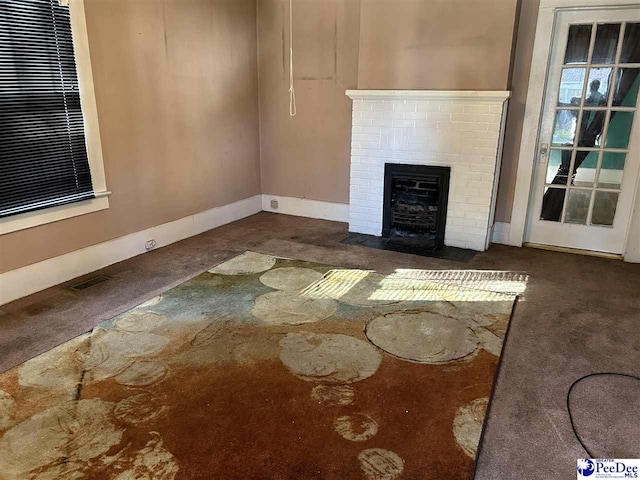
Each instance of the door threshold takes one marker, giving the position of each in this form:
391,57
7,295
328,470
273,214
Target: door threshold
575,251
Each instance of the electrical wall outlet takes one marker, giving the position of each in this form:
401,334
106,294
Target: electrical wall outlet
150,245
274,204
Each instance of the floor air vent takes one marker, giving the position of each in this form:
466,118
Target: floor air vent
89,282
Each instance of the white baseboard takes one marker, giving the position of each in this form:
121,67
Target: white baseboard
48,273
302,207
501,233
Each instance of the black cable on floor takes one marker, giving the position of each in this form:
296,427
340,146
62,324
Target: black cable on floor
573,426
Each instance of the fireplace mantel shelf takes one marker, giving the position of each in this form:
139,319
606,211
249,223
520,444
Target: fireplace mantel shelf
475,96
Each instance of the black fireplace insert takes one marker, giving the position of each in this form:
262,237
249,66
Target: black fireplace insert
415,204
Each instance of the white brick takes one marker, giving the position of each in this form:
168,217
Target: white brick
415,116
427,107
456,126
356,196
365,129
463,117
452,108
483,168
382,107
381,122
427,124
483,143
443,117
393,115
489,118
358,107
465,222
480,185
475,215
404,123
359,167
405,107
477,109
361,137
487,135
369,114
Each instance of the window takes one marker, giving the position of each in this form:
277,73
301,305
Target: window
44,160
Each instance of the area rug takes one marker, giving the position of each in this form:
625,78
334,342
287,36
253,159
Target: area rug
269,368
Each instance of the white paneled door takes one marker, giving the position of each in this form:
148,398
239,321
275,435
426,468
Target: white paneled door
588,157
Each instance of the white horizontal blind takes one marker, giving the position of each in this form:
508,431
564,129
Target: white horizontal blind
43,156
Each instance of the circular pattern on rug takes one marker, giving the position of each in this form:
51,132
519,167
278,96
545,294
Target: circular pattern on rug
70,433
333,395
7,408
356,428
57,369
140,321
467,425
290,278
422,337
139,408
245,264
127,344
329,358
380,464
151,462
291,308
113,351
142,373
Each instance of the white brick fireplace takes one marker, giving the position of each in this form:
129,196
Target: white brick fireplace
459,129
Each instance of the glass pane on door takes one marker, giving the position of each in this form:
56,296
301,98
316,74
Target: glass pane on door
571,87
598,92
558,167
564,128
578,45
626,89
619,129
630,50
585,168
578,206
604,51
611,170
604,208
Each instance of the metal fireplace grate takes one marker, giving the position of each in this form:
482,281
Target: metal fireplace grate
415,204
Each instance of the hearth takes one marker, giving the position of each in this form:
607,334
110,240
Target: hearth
415,204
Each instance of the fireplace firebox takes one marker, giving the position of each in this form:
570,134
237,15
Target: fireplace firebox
415,204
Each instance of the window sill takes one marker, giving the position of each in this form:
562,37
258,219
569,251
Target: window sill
54,214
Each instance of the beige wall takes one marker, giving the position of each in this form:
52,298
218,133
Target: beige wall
177,96
365,44
307,156
523,53
436,44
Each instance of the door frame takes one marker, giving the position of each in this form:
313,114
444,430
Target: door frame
540,64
